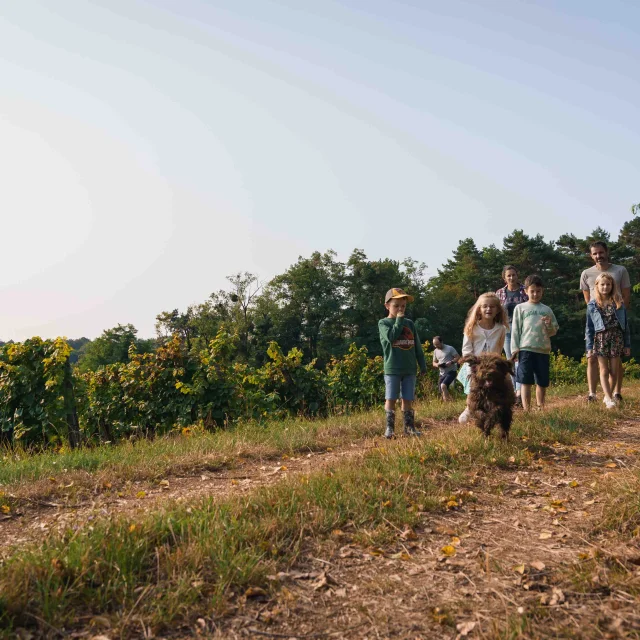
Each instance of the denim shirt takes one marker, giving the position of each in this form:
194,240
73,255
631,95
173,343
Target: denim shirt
595,324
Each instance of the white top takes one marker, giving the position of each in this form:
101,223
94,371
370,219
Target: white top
484,341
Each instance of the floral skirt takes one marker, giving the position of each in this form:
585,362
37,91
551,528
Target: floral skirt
609,343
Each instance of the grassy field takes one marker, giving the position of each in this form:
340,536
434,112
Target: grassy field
196,559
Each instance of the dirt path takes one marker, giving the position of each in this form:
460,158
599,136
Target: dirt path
500,565
77,498
520,565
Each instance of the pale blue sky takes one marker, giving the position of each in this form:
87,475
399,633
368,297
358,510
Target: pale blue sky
149,149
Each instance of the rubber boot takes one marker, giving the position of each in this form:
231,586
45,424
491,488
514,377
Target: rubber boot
409,423
391,423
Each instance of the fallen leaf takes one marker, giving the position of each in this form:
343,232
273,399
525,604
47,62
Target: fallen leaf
574,483
545,535
409,534
255,592
132,528
100,621
539,566
586,503
519,568
141,494
455,541
5,508
465,628
448,550
324,580
611,465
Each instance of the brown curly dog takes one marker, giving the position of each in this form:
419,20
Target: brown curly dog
491,396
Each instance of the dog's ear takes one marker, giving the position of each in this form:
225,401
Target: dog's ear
507,367
472,361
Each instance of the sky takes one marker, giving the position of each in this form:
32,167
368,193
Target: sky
151,148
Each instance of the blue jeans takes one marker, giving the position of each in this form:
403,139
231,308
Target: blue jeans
399,386
507,352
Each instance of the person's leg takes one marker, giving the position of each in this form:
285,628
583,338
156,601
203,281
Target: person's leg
603,365
541,394
525,394
542,365
463,377
444,389
615,373
407,391
392,391
507,353
617,386
525,376
592,376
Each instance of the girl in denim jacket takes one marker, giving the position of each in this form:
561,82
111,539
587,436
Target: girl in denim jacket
607,334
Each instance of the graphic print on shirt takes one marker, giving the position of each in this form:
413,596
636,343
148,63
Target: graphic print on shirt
406,340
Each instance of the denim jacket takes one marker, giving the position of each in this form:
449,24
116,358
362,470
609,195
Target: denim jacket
595,324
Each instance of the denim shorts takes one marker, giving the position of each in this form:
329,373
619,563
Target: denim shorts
399,387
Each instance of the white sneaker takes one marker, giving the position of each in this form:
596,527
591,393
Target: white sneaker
464,416
610,404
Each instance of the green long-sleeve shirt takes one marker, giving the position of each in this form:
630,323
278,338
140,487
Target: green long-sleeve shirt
401,347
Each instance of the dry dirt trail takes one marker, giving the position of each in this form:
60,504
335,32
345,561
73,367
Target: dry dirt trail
520,551
507,570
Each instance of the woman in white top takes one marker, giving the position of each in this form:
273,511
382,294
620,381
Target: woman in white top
484,332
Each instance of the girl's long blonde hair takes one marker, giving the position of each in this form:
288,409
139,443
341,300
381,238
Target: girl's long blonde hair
615,293
474,313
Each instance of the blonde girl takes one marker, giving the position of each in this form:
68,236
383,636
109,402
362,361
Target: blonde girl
607,334
484,331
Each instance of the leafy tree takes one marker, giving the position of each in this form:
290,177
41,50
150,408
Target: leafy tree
310,298
76,345
366,283
111,347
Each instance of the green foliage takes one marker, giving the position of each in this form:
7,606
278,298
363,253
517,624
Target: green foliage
32,391
354,381
111,347
564,370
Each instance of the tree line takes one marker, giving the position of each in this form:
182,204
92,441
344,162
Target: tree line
321,305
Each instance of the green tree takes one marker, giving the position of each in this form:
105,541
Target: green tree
310,297
112,347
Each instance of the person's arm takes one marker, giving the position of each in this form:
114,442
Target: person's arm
625,288
515,332
626,296
500,343
627,334
552,327
467,346
435,364
589,334
584,285
391,333
422,363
